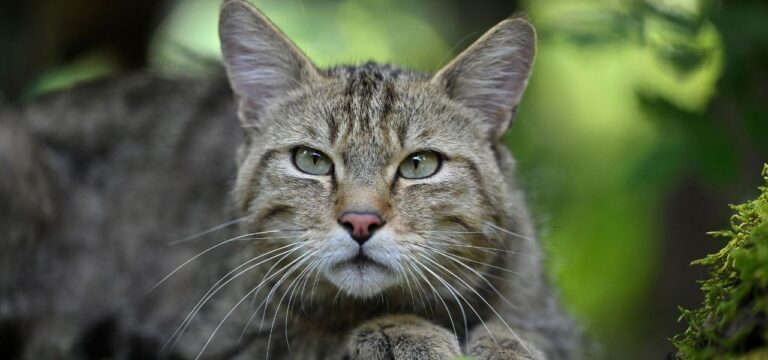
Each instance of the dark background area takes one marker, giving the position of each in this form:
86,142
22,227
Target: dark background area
643,119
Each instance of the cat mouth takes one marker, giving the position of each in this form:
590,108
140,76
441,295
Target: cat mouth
360,261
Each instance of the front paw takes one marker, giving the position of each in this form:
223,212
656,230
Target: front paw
501,344
401,337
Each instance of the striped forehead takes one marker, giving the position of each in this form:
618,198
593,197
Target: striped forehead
363,127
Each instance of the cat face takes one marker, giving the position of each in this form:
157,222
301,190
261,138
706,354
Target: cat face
372,174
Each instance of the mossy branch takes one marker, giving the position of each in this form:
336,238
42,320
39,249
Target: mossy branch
733,322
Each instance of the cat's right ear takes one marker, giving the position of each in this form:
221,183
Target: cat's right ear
262,64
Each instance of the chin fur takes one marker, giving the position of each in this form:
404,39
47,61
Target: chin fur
362,282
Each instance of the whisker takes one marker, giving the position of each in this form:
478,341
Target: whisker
215,330
461,242
468,304
266,278
481,248
448,232
471,260
420,290
282,279
481,277
336,297
287,310
211,230
489,306
314,286
496,277
408,284
509,231
255,296
297,281
453,293
274,289
300,285
315,265
269,271
216,287
241,237
437,294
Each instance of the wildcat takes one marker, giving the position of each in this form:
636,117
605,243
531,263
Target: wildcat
373,212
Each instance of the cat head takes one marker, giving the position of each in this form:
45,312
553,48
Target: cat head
371,174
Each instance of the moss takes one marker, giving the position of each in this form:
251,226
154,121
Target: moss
733,322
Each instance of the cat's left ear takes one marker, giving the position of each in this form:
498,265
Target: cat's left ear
491,75
263,65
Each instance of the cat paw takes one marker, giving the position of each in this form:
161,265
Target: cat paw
502,345
401,337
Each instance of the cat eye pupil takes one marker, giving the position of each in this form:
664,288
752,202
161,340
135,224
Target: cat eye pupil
420,165
312,161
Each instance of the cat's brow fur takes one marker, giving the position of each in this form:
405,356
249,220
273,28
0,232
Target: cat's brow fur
106,175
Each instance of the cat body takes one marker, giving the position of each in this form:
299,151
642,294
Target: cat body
366,212
122,168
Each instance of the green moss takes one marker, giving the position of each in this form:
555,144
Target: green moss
733,323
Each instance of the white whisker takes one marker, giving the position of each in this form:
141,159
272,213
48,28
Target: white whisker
473,261
481,248
215,330
304,258
297,283
216,287
421,291
211,230
449,256
509,231
446,234
453,293
522,343
468,304
237,238
255,296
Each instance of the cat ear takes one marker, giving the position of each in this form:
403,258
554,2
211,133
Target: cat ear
262,64
491,75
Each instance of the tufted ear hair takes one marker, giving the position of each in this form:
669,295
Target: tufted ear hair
262,64
491,75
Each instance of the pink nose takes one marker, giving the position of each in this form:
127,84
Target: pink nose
360,225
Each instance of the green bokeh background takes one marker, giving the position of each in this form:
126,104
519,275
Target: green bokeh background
642,121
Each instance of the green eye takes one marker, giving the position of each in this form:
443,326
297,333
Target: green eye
420,165
312,161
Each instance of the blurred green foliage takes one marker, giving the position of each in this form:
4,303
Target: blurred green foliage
330,32
627,99
599,158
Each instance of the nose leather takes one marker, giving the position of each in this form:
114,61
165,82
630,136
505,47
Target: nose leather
361,225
